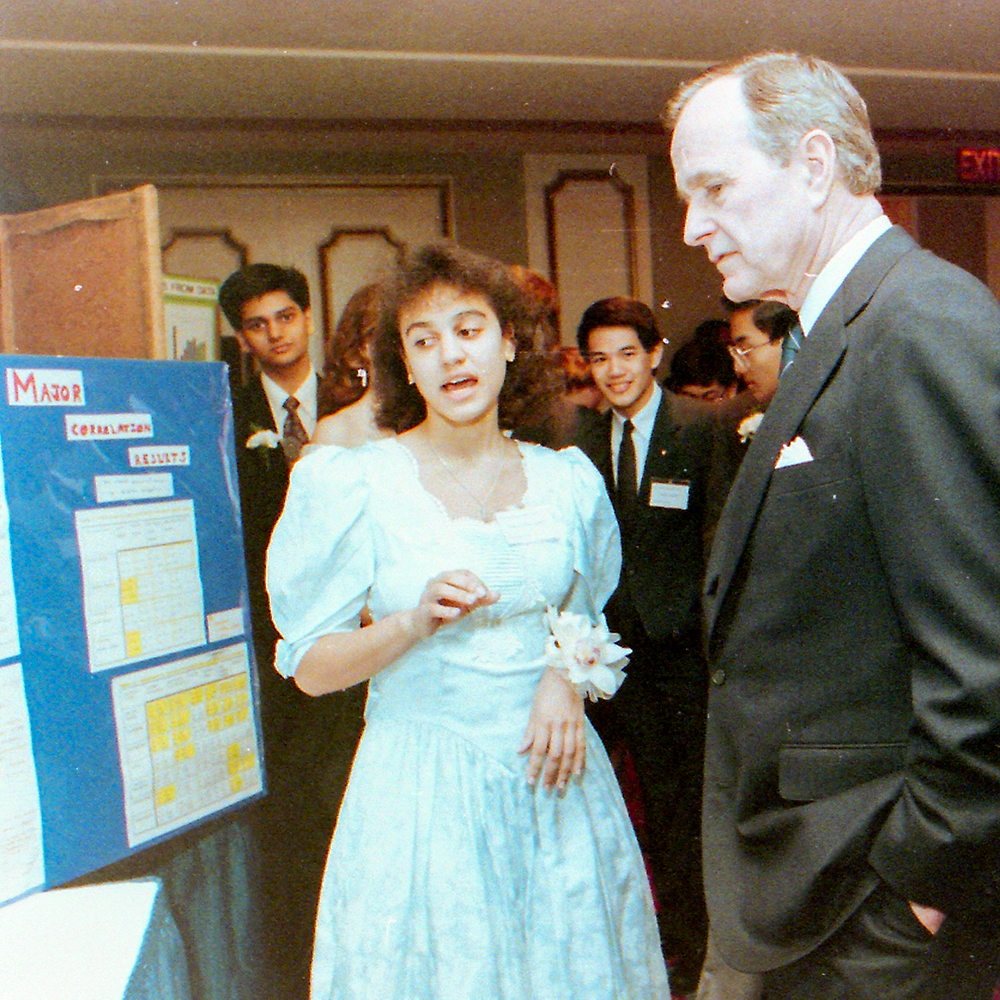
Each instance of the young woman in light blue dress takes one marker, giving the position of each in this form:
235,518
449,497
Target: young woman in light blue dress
483,850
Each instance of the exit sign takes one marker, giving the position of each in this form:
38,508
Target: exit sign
978,166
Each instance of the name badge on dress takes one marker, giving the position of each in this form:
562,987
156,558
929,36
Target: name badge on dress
672,493
528,525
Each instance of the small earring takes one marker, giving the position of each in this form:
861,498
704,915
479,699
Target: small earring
362,374
409,379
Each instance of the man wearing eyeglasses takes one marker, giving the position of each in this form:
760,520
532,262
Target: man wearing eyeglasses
756,332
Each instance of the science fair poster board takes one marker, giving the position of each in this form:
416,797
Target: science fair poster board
128,694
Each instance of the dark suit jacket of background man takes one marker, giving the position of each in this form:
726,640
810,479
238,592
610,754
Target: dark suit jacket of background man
308,742
663,554
660,707
853,617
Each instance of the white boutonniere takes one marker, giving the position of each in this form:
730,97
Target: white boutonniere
264,439
585,654
748,426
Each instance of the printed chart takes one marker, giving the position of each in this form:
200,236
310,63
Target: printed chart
186,739
21,861
10,644
142,593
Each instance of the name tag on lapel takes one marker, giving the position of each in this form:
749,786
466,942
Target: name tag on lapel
526,526
670,493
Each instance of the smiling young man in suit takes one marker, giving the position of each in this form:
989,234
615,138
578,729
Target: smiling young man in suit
655,451
308,742
852,787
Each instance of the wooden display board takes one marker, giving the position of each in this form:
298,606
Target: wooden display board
83,279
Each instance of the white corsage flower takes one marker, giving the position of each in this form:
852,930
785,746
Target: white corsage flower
264,439
748,426
585,654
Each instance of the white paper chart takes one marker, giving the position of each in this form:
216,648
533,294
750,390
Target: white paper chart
21,861
186,740
10,645
142,593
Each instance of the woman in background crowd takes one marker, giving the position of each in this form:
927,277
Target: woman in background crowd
557,425
345,393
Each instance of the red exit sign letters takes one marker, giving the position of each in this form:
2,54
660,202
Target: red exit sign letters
978,166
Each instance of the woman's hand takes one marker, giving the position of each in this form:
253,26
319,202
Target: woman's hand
338,660
447,598
555,734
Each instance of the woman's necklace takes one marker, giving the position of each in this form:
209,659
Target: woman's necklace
485,509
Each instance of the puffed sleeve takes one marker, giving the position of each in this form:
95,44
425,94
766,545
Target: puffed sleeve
597,546
320,562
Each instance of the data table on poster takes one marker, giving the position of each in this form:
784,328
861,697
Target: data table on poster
187,740
129,705
142,591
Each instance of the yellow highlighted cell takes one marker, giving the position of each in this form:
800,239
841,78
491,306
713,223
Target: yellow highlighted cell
133,643
165,795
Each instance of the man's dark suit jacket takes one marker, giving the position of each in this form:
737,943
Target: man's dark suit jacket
263,474
659,713
662,548
853,620
308,742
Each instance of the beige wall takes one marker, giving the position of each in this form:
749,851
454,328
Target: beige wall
63,163
59,162
682,275
46,163
993,245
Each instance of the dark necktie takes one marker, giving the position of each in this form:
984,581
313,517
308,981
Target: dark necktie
790,345
293,434
627,483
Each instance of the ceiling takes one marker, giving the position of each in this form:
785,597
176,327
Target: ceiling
921,64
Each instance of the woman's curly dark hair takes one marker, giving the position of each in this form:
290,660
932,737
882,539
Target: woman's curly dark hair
533,379
348,352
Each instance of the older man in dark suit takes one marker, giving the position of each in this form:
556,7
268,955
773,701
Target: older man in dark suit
308,742
852,787
656,450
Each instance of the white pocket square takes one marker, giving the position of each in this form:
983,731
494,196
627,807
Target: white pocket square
796,452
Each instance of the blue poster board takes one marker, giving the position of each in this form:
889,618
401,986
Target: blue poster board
128,693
